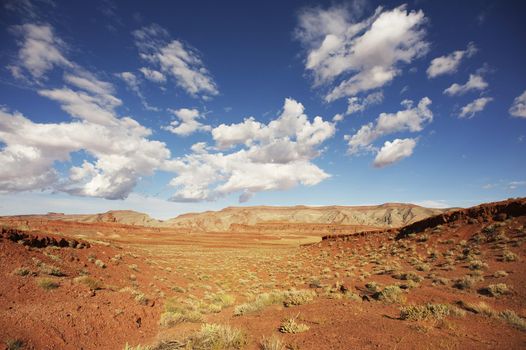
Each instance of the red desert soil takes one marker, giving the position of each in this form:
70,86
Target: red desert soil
100,285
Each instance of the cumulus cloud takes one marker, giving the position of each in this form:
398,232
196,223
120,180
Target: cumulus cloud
121,151
469,110
367,54
252,157
357,104
40,50
475,82
411,119
176,59
518,108
393,152
118,149
153,75
449,64
187,122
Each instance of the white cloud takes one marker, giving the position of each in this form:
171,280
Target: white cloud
180,61
187,123
410,119
40,50
357,104
393,152
118,150
475,82
93,108
518,108
130,79
514,184
254,157
469,110
367,54
432,203
153,75
449,64
121,151
338,117
133,83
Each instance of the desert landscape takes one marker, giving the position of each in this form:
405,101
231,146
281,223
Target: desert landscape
262,175
267,278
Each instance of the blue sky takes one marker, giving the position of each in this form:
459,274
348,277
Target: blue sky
200,105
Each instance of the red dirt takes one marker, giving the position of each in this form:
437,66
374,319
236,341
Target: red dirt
155,261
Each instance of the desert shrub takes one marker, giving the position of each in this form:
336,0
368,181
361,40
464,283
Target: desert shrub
222,300
441,280
178,289
272,343
408,276
14,344
509,256
47,283
372,287
513,319
100,263
467,282
500,273
422,238
480,308
315,283
21,271
179,310
214,337
496,290
477,265
141,298
51,270
298,297
434,311
90,282
291,326
138,347
287,298
390,295
423,267
133,267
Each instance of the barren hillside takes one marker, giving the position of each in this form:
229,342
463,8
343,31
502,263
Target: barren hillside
385,215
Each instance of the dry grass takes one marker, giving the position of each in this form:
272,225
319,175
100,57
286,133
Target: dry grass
429,311
47,284
290,325
21,271
272,343
90,282
513,319
287,298
496,290
478,308
390,295
209,337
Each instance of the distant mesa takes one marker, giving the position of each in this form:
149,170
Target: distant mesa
388,215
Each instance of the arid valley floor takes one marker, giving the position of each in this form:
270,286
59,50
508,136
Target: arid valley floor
396,277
